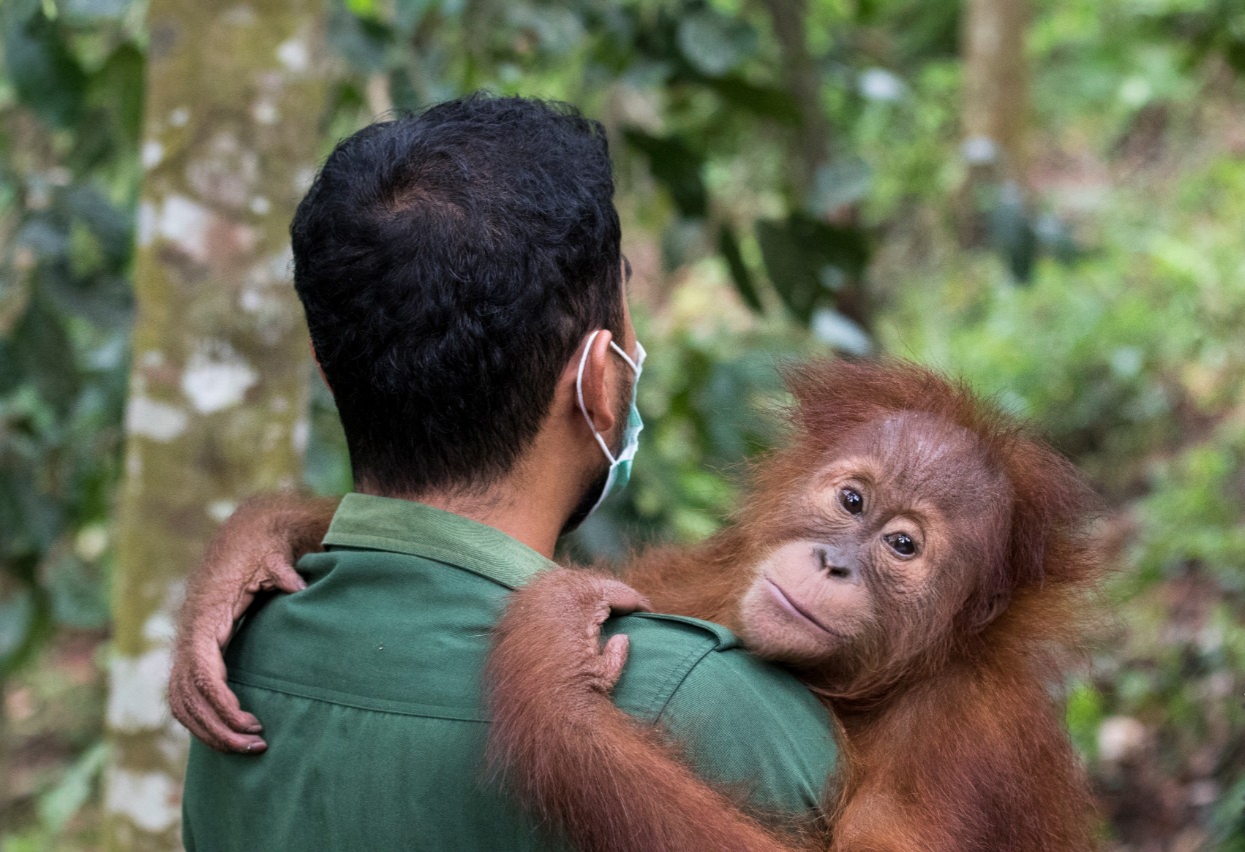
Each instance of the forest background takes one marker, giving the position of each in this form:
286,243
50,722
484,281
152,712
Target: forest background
1045,197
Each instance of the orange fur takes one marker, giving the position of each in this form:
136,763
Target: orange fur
960,748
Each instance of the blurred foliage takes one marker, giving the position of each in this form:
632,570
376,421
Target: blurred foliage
699,94
70,104
1124,345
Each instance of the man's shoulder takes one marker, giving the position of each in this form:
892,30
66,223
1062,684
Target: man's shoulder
663,650
682,647
679,630
742,722
671,654
731,680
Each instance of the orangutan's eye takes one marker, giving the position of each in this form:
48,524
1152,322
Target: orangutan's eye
850,499
901,543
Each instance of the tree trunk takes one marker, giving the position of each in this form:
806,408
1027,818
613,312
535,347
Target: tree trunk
811,143
996,88
218,386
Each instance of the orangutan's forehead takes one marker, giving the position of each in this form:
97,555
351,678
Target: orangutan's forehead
918,452
909,432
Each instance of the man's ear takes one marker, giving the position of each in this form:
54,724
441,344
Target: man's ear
598,398
312,349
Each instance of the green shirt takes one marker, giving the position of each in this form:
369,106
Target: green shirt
369,687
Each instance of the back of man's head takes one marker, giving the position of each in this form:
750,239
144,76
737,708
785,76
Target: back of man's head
449,263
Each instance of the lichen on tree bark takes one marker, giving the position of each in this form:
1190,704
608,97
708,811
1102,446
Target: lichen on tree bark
234,99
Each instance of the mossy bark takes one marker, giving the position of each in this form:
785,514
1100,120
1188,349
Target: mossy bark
234,100
996,87
995,117
812,142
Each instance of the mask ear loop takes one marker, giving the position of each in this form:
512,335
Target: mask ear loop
579,392
635,367
579,384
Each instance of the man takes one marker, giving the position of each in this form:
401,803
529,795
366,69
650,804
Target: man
462,280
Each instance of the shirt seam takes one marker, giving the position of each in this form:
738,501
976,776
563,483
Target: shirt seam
267,684
681,674
727,642
423,551
821,793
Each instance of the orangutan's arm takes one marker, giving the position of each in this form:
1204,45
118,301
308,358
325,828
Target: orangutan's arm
573,757
253,551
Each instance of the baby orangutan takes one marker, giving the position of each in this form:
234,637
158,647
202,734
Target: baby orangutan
915,559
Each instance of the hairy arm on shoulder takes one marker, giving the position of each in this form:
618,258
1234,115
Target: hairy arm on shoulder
253,551
569,754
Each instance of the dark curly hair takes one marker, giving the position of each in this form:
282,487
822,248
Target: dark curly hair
449,263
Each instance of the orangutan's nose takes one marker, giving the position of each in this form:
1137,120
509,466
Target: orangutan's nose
838,563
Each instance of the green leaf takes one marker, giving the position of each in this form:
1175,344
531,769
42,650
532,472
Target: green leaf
402,90
1234,50
728,245
1011,232
409,14
684,241
42,520
362,8
17,614
760,101
118,88
1056,238
797,251
1084,716
715,43
92,12
76,591
45,354
105,300
677,167
111,226
23,623
41,67
839,184
10,374
557,31
46,236
58,805
364,43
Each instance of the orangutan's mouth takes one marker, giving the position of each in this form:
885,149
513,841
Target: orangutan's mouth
790,604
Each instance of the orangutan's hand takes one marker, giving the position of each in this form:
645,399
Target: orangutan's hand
254,551
548,644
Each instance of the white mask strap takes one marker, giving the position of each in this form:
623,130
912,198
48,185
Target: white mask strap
579,384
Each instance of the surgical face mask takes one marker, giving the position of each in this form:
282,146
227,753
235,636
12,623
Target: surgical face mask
620,465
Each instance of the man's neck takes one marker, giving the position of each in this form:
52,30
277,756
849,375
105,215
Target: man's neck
526,514
534,500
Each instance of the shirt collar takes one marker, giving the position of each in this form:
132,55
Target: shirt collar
404,526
